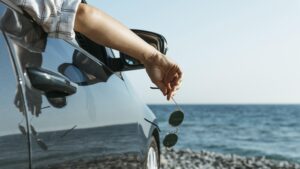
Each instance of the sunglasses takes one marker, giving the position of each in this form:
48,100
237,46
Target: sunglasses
175,119
34,133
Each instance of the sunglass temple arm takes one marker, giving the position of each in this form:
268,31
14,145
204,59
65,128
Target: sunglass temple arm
171,98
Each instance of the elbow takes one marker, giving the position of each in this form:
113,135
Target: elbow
83,16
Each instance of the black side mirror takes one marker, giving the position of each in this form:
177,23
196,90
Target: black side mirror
154,39
126,62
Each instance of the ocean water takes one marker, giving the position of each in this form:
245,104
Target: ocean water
272,131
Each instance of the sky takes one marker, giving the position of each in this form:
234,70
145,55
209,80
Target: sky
231,52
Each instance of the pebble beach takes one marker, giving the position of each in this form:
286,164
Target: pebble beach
245,136
187,159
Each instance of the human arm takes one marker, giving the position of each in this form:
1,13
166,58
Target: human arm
105,30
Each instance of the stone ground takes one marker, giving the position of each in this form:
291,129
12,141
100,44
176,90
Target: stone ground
187,159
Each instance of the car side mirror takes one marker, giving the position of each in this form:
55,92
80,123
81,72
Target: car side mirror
156,40
126,62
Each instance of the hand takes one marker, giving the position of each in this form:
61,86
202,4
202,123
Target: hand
164,73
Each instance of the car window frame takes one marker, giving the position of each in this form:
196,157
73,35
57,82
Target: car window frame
72,41
21,84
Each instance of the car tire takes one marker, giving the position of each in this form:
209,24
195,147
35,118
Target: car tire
152,160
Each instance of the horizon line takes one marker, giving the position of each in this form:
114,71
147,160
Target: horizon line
224,103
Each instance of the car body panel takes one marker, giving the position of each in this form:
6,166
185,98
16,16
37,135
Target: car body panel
102,124
14,150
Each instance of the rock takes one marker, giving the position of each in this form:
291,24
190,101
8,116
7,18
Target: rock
187,159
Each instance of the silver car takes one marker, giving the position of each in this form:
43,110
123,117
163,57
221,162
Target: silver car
67,104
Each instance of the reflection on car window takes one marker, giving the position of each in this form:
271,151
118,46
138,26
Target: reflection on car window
83,70
91,47
103,54
13,143
27,33
33,49
110,53
29,41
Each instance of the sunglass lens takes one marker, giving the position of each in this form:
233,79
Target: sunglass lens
42,144
22,130
176,118
33,131
170,140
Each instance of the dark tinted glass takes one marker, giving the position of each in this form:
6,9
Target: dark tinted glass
176,118
93,48
170,140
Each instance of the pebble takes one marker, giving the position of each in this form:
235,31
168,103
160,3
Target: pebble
187,159
178,159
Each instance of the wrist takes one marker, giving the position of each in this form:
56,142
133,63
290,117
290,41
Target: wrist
150,56
156,58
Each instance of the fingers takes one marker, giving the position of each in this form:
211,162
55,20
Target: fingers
176,82
177,85
167,76
174,87
166,89
171,93
169,96
173,76
172,73
162,88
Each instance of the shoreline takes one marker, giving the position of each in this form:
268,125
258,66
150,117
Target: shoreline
187,159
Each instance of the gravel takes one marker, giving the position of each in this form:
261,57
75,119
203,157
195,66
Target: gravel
176,159
187,159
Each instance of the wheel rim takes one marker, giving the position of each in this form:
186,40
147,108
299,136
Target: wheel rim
152,159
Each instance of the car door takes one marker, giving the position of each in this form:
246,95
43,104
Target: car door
14,139
88,118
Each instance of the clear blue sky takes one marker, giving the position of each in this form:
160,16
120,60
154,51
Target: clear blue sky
231,51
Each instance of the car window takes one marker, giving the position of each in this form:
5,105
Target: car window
93,48
110,53
56,122
74,64
103,54
31,42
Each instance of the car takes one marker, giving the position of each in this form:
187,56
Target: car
67,104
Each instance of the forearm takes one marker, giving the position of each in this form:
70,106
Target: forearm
105,30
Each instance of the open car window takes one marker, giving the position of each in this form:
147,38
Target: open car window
91,47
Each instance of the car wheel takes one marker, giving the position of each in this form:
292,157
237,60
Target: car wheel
152,159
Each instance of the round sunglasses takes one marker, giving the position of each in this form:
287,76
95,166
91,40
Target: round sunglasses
175,119
34,133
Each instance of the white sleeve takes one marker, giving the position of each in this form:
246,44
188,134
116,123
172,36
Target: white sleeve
57,17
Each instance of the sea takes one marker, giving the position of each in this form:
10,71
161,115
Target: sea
272,131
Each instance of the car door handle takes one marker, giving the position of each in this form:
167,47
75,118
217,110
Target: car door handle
50,82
